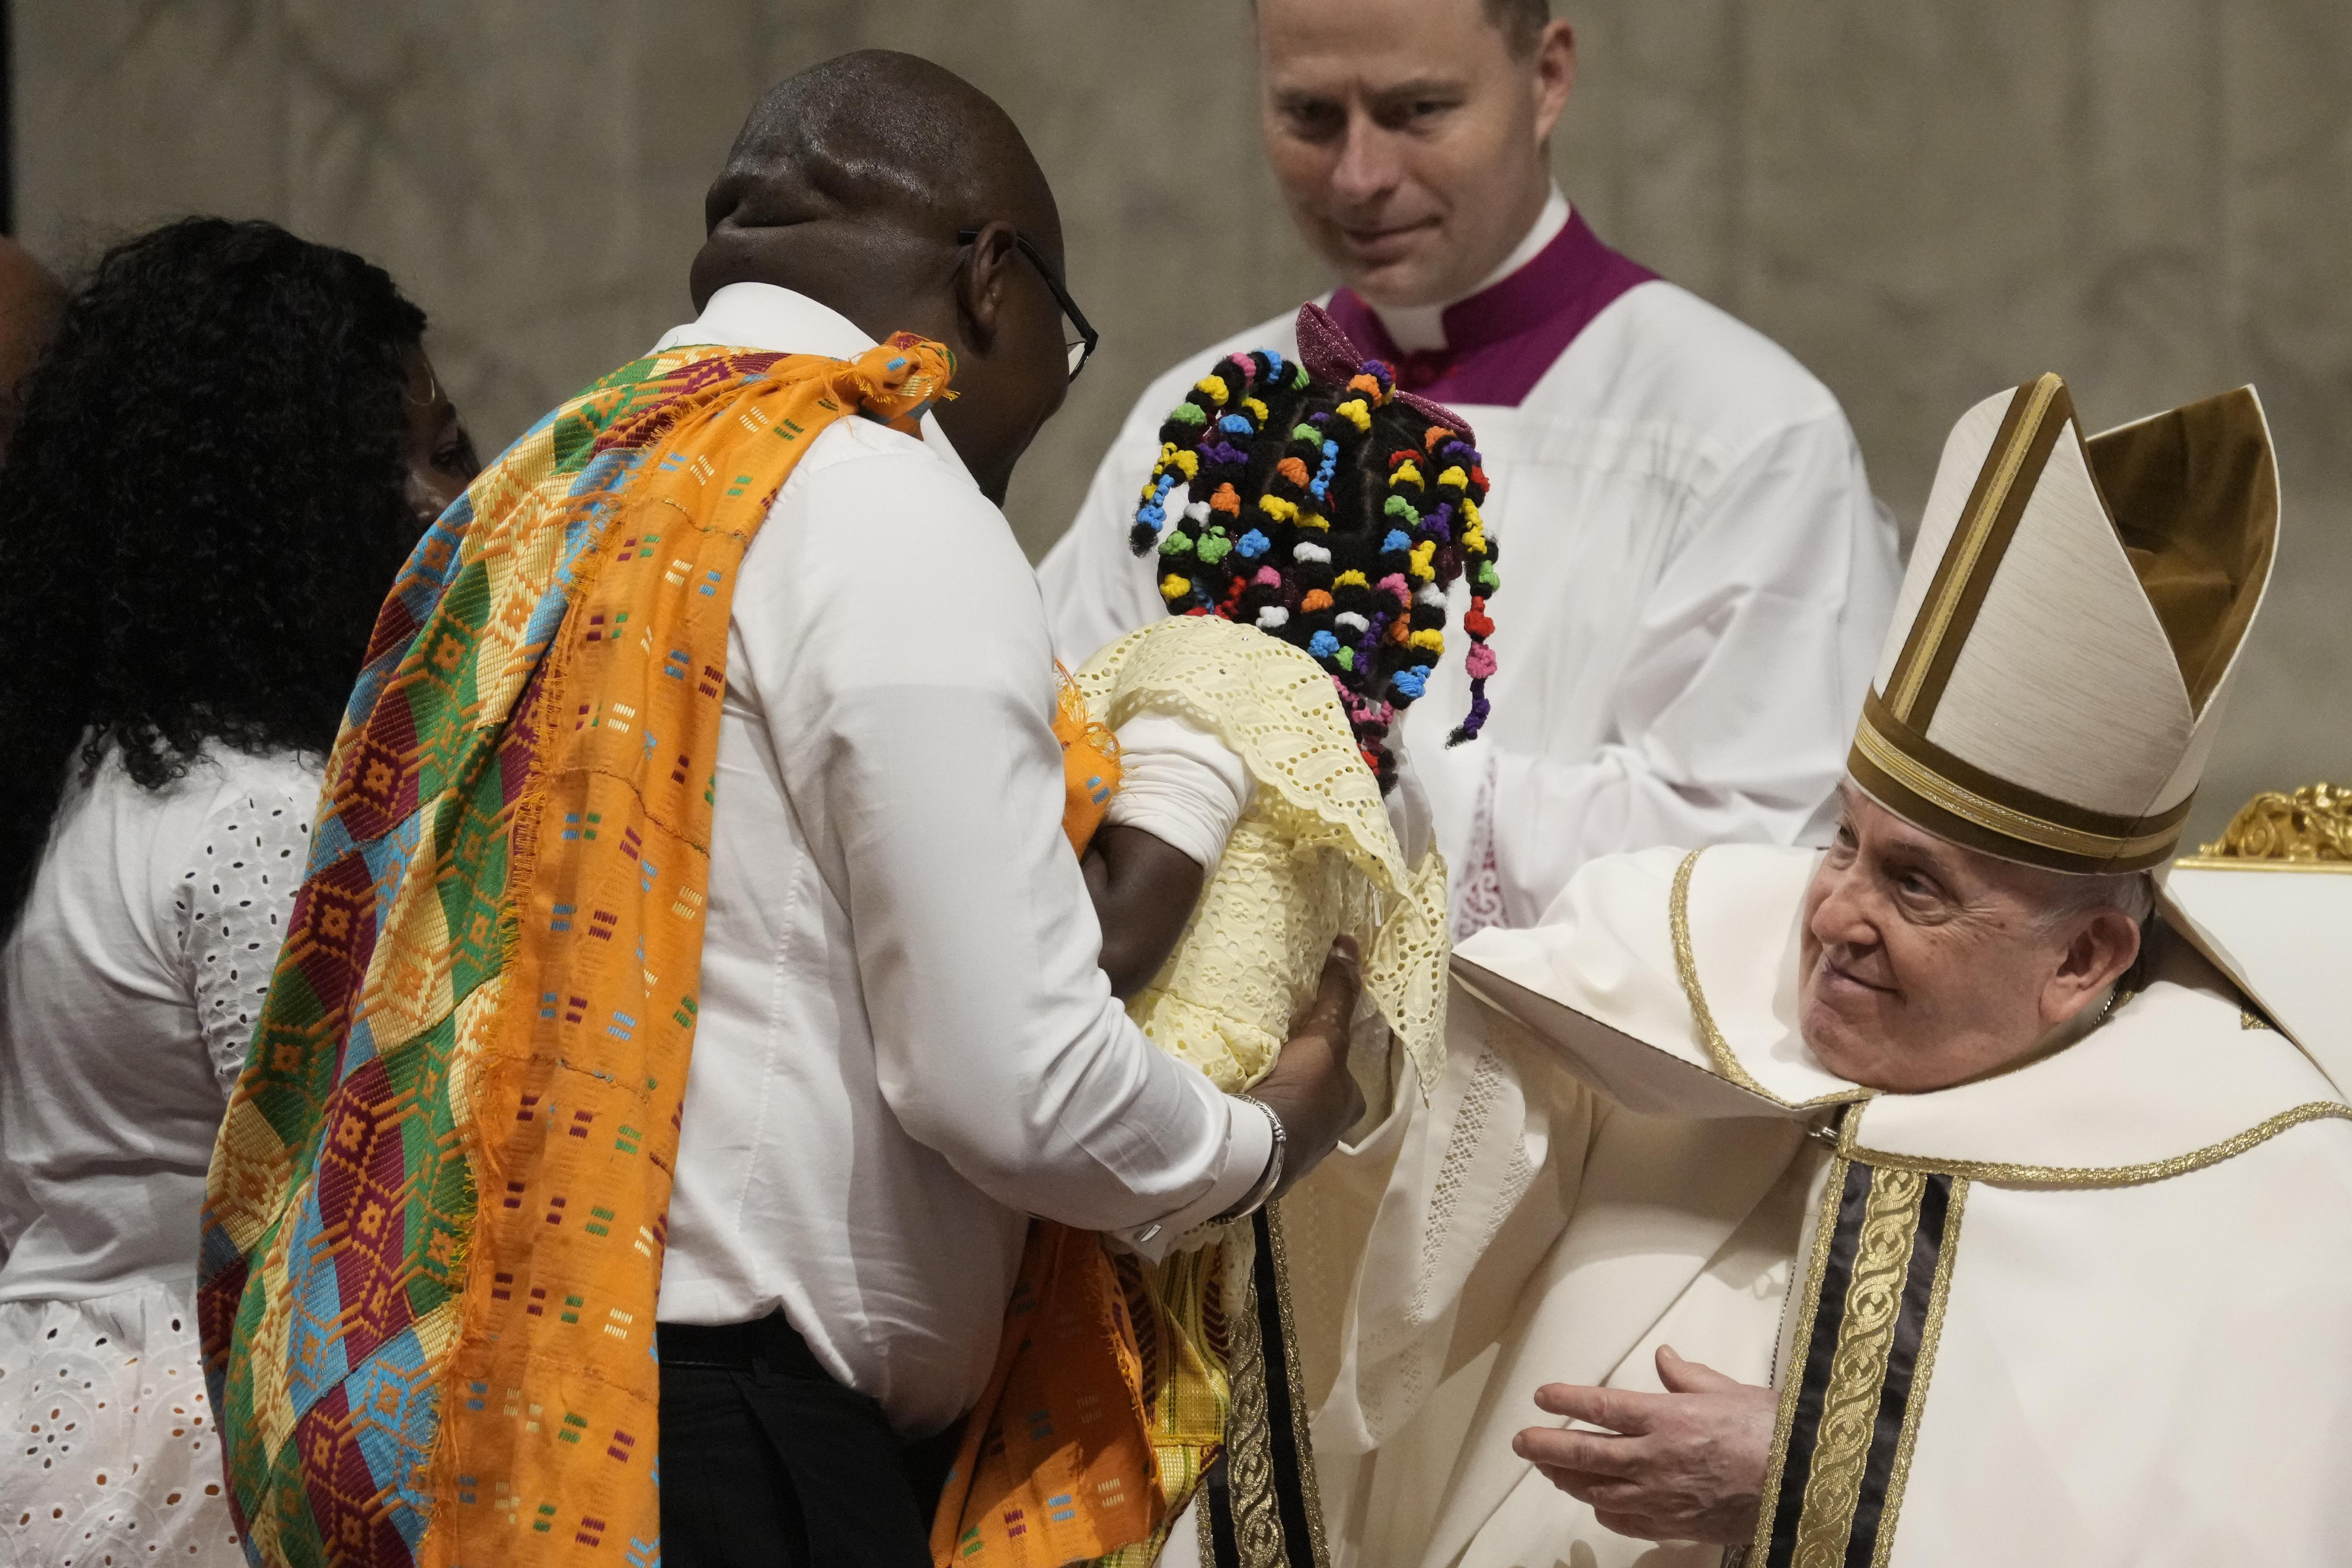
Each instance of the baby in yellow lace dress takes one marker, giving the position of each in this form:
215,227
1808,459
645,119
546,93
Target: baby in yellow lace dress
1265,809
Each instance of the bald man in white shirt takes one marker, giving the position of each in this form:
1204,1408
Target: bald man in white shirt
1696,575
906,1046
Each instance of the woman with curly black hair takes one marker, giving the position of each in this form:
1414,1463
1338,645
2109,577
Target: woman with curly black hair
225,454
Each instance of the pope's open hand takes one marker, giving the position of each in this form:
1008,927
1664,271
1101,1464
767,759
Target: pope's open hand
1309,1086
1685,1465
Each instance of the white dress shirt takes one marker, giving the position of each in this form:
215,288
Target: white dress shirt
906,1046
1695,582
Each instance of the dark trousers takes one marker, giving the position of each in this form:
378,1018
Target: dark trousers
767,1462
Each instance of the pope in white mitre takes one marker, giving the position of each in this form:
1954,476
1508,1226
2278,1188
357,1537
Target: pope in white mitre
1949,1197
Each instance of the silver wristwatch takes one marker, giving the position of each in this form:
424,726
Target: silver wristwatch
1255,1199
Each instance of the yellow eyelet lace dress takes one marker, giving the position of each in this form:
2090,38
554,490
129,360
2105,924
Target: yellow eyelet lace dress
1314,855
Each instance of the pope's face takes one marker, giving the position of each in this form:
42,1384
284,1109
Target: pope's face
1409,137
1927,965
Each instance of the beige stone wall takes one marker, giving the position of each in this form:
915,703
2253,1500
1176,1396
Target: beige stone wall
1925,202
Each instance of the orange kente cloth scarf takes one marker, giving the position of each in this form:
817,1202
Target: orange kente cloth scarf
1102,1408
434,1231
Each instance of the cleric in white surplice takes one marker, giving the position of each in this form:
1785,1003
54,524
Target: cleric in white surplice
1954,1196
1695,573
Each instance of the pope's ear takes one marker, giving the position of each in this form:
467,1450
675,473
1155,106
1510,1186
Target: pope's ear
2104,944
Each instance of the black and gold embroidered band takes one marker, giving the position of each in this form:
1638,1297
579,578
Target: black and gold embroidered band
1259,1504
1850,1410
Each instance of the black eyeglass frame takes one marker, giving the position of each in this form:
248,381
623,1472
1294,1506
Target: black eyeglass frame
1086,348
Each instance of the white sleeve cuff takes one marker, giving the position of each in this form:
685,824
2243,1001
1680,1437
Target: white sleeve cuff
1249,1144
1180,784
1410,813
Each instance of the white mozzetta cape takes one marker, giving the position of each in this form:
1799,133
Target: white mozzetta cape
2097,1309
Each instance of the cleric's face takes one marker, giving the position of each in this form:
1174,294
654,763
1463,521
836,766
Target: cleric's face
1927,964
1408,136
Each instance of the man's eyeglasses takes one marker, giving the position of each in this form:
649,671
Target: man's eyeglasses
1084,348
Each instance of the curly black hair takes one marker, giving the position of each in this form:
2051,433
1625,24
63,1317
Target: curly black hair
200,513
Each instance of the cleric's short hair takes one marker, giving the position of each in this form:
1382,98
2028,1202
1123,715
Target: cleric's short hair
1522,21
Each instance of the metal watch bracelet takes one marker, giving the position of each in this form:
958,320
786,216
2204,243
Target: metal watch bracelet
1255,1199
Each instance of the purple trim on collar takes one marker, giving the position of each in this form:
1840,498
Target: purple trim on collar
1501,340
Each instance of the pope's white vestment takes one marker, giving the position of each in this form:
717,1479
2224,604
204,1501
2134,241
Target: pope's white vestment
1694,574
2096,1310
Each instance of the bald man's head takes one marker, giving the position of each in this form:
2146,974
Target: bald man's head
851,183
877,153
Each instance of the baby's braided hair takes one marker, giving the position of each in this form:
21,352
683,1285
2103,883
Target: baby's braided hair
1311,514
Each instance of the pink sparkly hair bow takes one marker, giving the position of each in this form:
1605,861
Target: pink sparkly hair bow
1330,355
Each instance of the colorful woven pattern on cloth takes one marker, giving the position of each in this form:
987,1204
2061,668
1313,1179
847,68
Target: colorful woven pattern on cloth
1090,771
434,1231
1057,1463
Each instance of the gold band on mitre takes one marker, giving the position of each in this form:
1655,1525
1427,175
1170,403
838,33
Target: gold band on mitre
1930,787
2073,613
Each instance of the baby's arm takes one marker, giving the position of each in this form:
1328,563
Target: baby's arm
1181,793
1144,889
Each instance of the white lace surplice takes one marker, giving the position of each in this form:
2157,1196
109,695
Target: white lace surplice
128,994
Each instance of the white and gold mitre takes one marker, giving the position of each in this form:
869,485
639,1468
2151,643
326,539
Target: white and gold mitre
2050,687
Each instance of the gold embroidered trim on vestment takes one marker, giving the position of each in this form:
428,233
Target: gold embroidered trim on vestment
1204,1521
1975,531
1718,1049
1849,1419
1968,804
2002,1175
1792,1370
1923,1366
1249,1445
1310,1490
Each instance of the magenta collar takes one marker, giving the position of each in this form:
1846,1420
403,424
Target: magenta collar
1501,340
